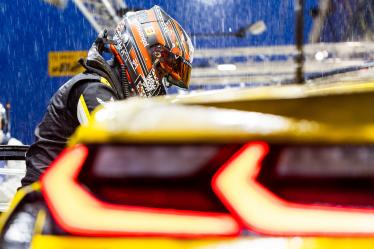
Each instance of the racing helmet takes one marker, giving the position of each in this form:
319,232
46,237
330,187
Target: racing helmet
155,50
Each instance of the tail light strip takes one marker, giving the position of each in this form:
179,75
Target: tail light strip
262,211
77,211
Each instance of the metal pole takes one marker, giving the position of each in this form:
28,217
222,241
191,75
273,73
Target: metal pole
299,41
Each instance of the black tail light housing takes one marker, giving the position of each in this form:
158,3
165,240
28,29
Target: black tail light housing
205,190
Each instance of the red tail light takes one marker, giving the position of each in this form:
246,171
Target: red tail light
262,211
78,211
167,190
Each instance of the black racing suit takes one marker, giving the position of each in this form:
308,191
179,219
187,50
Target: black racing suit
69,107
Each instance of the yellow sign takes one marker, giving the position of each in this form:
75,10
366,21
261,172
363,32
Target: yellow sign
65,63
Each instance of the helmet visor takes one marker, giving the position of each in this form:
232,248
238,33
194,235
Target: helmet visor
176,69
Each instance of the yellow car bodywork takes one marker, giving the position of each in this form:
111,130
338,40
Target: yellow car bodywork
254,243
335,113
41,241
305,114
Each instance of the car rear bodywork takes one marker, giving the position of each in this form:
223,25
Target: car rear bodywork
286,167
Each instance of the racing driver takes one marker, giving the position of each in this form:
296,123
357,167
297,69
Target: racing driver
149,51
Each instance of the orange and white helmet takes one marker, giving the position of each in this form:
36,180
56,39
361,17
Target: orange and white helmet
155,50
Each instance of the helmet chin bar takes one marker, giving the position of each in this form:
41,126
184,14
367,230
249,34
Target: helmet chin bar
165,82
171,81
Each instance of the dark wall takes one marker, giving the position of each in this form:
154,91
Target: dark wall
32,28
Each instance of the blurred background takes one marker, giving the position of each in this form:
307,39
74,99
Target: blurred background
239,43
